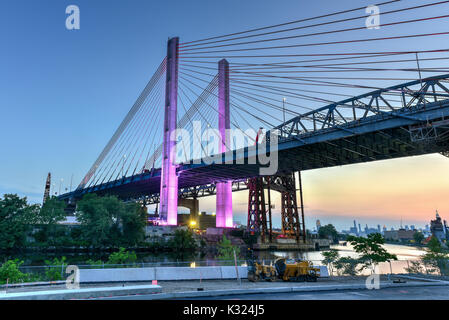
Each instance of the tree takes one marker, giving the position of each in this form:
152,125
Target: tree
371,250
226,249
9,272
134,220
183,241
436,257
328,232
330,257
418,237
16,217
52,212
50,233
109,222
96,216
122,257
347,266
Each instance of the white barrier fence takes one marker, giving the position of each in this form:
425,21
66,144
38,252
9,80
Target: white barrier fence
167,273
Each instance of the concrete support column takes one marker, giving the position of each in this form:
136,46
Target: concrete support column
224,189
169,179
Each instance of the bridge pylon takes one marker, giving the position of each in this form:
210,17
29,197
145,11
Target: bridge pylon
169,178
224,189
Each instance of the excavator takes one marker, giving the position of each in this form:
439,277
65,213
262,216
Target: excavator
286,270
301,270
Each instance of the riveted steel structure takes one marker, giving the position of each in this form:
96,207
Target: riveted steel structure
257,214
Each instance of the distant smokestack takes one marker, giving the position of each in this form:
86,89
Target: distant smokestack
47,188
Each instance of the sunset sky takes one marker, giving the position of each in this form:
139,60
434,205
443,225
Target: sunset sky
64,93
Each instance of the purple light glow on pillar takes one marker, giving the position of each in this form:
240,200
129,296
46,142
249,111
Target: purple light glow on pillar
224,189
169,179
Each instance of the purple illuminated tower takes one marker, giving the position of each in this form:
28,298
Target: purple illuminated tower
169,179
224,189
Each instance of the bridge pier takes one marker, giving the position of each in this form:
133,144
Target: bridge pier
257,214
224,217
292,215
169,178
193,205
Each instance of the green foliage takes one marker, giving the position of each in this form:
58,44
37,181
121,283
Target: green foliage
122,257
436,258
418,237
328,232
226,249
92,262
56,268
416,267
109,222
52,211
183,241
347,266
9,272
134,220
371,250
16,217
330,257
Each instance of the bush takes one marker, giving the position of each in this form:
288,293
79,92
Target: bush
55,271
226,249
122,257
9,272
183,241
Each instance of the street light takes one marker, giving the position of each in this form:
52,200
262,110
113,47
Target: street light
283,107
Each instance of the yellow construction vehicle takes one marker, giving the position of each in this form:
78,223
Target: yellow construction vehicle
296,270
257,271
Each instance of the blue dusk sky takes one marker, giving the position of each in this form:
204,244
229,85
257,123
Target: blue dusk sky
64,92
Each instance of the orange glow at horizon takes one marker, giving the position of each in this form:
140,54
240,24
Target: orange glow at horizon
411,188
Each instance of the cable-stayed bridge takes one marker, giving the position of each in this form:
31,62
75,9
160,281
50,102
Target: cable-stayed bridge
245,111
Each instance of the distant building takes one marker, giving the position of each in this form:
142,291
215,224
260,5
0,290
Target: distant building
318,225
399,235
437,228
353,230
203,222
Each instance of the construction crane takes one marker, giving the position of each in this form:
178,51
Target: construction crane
47,188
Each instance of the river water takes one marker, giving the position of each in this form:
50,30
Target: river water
403,253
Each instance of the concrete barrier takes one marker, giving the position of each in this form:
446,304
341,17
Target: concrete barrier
85,293
324,273
187,273
117,275
167,273
229,272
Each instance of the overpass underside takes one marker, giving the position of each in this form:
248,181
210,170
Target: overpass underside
199,180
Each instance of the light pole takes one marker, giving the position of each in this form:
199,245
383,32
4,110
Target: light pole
283,107
60,183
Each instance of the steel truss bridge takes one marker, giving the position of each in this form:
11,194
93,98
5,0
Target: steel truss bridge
407,119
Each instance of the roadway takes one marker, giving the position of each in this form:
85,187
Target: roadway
398,293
